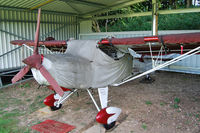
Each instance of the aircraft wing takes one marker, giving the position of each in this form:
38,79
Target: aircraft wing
171,42
53,43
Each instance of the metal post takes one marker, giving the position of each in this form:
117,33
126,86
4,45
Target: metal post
154,30
1,84
154,18
93,100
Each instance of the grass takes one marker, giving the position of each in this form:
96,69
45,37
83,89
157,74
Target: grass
6,102
12,108
2,112
5,125
176,103
197,115
77,109
177,100
9,121
187,122
148,102
37,103
190,114
88,103
26,85
144,126
28,100
162,103
23,94
175,106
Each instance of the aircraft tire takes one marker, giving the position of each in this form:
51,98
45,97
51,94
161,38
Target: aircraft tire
109,126
54,108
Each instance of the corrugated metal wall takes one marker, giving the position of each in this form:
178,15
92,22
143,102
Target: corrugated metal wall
21,25
188,65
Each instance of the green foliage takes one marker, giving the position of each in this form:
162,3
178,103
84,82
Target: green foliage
188,21
162,103
177,100
197,115
176,106
8,122
176,103
144,126
148,102
5,125
27,85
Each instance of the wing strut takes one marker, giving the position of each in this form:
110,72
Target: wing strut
181,57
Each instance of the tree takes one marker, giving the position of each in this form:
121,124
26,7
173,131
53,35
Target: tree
166,22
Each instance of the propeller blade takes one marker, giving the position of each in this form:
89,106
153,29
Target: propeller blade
20,74
33,61
51,80
37,33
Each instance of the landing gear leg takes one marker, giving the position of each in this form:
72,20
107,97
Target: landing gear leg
54,101
107,116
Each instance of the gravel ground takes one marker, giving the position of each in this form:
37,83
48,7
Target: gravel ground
168,105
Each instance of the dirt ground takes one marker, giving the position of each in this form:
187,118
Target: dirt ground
171,104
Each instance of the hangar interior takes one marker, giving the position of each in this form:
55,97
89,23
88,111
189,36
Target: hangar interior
61,19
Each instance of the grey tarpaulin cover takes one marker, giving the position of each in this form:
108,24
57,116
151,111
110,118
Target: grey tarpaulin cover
84,65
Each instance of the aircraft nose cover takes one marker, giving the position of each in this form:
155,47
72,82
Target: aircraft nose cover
84,65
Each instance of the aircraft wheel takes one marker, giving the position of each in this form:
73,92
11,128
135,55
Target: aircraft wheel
54,108
109,126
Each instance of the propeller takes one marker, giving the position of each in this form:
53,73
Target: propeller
35,61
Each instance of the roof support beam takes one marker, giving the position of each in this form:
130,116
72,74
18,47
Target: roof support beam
175,11
44,11
113,7
41,4
73,7
83,2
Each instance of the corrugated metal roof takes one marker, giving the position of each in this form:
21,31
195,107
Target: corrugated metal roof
58,6
20,3
74,7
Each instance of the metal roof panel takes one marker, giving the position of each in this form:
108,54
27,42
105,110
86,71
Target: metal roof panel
67,6
58,6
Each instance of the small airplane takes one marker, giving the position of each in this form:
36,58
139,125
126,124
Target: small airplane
98,64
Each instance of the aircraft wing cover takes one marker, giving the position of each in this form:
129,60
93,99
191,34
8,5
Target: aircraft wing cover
167,39
84,65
